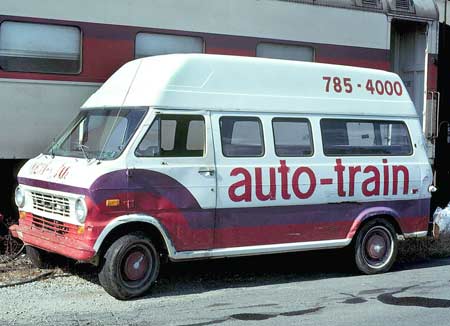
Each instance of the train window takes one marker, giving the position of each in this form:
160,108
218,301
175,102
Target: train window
44,48
148,44
285,51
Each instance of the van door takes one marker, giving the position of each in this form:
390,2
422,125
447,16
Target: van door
173,177
241,219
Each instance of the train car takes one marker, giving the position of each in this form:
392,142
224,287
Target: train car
54,54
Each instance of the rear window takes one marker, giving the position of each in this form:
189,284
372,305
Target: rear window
365,137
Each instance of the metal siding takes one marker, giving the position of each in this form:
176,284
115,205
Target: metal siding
33,113
230,17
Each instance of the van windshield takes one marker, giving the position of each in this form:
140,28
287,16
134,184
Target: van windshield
98,133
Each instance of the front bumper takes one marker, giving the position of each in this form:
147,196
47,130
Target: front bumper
56,237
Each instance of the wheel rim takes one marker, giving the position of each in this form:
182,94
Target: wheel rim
137,265
378,247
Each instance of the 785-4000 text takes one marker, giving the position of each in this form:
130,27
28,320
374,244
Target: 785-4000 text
379,87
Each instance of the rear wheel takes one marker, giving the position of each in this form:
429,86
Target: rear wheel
375,247
130,267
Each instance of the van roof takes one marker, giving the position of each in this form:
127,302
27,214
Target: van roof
232,83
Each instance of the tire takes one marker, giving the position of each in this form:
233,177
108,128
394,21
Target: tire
39,258
130,266
375,248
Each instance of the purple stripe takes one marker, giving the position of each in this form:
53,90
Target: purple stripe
320,213
159,185
52,186
154,183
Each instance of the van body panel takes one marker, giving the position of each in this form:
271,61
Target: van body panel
221,83
179,191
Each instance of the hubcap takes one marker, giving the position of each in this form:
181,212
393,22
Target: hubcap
136,265
378,246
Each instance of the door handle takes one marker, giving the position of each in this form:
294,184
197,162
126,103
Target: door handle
206,171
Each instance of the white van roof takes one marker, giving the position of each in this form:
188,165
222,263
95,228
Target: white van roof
232,83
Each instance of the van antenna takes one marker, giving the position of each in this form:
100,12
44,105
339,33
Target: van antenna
120,109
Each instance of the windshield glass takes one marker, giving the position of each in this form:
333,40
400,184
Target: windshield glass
98,133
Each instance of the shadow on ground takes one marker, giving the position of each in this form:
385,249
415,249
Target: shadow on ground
207,275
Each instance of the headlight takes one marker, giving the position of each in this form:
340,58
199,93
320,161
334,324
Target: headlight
19,197
80,210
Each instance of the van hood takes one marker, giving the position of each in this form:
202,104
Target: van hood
68,171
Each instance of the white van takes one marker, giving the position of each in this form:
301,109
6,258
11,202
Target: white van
207,156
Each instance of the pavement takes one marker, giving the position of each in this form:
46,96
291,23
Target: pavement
292,289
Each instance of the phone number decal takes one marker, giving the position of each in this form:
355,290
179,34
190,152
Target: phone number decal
345,85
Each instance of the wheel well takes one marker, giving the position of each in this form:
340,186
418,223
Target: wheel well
388,218
150,230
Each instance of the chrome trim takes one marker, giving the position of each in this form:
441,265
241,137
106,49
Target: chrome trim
260,250
48,82
135,218
420,234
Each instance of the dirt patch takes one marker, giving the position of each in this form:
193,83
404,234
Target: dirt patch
20,271
422,248
16,270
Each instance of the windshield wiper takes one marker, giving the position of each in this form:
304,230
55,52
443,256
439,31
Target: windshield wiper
84,149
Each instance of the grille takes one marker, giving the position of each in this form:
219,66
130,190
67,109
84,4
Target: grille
47,224
403,5
57,205
370,3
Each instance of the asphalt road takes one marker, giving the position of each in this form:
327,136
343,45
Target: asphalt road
295,289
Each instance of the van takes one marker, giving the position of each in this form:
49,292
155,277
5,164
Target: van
205,156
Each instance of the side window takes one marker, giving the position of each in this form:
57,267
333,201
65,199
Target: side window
150,44
365,137
196,136
360,133
292,137
241,137
168,134
174,136
44,48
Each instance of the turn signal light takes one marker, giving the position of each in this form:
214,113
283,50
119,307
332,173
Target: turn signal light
112,202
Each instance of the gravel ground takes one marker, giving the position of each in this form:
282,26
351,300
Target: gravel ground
71,295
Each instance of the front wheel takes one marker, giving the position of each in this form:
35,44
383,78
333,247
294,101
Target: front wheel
131,265
40,258
375,247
